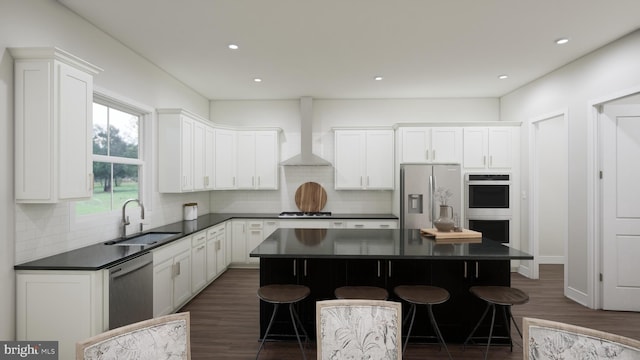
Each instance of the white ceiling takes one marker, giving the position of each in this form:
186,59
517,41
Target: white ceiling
334,48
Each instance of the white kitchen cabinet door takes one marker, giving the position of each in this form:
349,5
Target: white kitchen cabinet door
446,144
379,160
364,159
430,144
209,163
246,160
239,242
267,157
198,261
475,147
415,145
349,159
63,305
53,125
198,156
499,150
487,148
163,288
257,160
186,154
182,279
211,259
183,141
224,159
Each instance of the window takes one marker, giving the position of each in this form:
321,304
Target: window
117,160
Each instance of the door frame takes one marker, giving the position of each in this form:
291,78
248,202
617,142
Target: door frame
534,247
594,193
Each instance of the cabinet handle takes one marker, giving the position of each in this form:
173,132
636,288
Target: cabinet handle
176,269
253,181
200,248
358,225
218,245
476,269
368,180
484,160
378,268
389,264
426,154
384,225
433,153
305,267
465,269
294,267
360,180
258,181
490,160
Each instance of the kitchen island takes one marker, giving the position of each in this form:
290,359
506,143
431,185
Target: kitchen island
325,259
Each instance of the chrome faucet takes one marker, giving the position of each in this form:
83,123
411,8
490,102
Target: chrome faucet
125,218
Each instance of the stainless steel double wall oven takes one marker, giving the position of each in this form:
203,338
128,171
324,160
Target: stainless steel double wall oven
488,204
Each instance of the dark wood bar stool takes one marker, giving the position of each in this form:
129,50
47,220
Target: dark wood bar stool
361,292
422,295
277,294
503,296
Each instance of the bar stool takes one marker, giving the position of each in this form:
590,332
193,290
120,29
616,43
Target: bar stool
505,297
422,295
277,294
361,292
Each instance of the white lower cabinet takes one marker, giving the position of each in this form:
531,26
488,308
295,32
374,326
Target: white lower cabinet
171,276
198,261
216,246
247,235
67,306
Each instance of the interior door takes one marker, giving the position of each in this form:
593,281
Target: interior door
620,135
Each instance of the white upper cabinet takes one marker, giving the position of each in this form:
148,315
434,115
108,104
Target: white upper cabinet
257,163
488,148
430,145
224,159
184,163
53,125
364,159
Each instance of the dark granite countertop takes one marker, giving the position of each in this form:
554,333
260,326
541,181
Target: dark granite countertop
377,244
100,256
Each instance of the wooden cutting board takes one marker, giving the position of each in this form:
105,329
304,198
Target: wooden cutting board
464,234
311,197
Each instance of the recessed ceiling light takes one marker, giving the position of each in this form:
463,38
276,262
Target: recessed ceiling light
378,78
503,76
257,80
562,41
233,47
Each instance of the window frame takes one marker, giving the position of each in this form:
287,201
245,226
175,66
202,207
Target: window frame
144,160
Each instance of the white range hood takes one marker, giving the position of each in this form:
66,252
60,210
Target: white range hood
306,157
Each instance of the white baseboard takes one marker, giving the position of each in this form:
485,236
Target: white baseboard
551,260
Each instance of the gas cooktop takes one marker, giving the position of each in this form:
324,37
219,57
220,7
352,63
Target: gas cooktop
301,214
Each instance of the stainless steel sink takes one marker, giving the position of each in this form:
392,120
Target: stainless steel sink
144,239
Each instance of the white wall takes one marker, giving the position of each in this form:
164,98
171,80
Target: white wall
609,70
26,230
328,114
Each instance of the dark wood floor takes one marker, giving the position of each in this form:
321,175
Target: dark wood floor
224,319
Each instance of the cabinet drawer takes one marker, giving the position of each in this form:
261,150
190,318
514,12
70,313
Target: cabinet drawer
214,231
251,225
166,252
199,239
368,224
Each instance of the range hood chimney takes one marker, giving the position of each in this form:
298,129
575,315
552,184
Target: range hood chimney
306,157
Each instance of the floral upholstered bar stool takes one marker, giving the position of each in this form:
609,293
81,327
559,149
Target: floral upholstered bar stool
289,294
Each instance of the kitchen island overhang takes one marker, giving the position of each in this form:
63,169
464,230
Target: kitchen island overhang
325,259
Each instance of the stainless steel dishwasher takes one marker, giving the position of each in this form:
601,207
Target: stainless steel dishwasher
131,291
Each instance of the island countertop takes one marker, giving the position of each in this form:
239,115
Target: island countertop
379,244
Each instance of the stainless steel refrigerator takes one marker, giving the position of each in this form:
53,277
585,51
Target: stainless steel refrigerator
419,184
